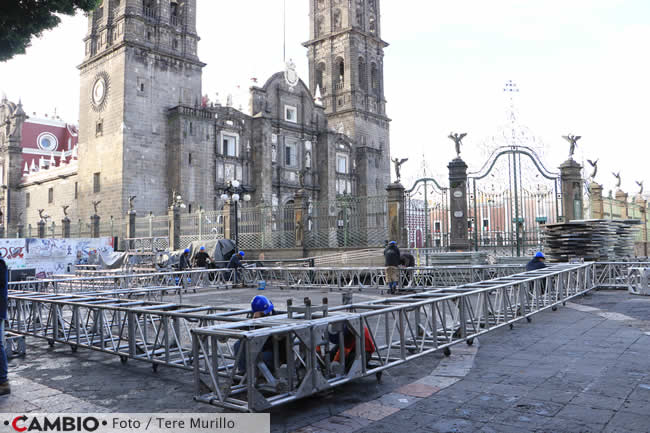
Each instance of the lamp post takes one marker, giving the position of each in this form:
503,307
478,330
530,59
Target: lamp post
235,192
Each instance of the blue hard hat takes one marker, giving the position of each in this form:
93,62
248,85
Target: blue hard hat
393,243
241,253
261,304
202,249
187,250
539,255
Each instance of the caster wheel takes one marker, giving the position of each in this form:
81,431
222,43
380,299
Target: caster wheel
447,351
154,367
411,350
554,308
470,341
511,326
124,360
529,319
50,343
378,376
564,304
74,348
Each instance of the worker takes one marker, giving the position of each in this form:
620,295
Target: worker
538,262
392,262
184,262
235,264
261,306
202,258
407,261
349,345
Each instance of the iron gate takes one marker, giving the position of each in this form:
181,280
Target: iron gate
427,215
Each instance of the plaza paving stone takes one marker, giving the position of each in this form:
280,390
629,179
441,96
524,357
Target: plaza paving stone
573,370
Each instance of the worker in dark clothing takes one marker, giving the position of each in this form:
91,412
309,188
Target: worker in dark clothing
537,262
408,261
184,262
235,264
392,262
202,258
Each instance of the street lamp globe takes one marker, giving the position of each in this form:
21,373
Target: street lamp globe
178,197
235,183
235,197
247,197
224,196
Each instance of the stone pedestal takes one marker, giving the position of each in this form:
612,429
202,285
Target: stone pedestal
621,203
65,227
597,205
41,229
571,180
174,217
642,205
130,228
300,217
458,239
20,229
94,225
397,215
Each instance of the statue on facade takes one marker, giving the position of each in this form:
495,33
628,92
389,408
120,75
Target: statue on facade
640,186
95,204
301,177
65,210
42,215
594,164
131,200
458,141
618,179
573,139
398,164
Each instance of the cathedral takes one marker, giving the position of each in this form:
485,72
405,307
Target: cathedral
145,129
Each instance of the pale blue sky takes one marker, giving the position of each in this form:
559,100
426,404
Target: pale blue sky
582,67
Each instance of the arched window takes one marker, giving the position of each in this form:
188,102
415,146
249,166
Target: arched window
340,72
320,76
320,21
374,79
363,73
337,23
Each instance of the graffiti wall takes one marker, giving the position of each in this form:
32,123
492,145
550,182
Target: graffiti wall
52,256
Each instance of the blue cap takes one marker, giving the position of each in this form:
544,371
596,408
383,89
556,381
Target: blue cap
187,250
539,255
241,253
202,249
261,304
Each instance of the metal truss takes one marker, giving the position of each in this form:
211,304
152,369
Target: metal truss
254,365
302,278
637,280
14,345
614,275
155,332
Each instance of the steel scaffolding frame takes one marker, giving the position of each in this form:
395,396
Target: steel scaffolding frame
254,365
613,275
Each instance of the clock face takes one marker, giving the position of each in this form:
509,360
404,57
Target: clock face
99,91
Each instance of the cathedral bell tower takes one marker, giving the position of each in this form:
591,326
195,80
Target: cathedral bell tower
140,60
346,63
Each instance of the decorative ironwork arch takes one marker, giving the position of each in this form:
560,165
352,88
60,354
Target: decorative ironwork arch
513,150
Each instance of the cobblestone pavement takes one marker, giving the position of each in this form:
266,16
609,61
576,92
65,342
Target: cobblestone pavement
583,368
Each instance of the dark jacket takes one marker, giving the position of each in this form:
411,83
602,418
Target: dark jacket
407,260
4,279
184,262
201,259
391,255
535,264
235,262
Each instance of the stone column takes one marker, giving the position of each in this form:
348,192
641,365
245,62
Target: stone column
300,217
174,217
227,214
397,215
643,211
597,204
41,229
20,228
459,240
571,180
94,225
621,202
130,227
65,227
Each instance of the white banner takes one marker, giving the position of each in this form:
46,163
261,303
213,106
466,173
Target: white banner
126,422
51,256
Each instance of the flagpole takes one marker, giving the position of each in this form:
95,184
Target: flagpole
284,27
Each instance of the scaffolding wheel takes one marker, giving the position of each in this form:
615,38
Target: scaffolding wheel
554,308
529,319
378,376
154,367
50,343
447,351
124,359
470,341
564,303
511,326
74,347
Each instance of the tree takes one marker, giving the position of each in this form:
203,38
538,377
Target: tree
21,20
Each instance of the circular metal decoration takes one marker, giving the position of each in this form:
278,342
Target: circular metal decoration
47,141
99,91
290,74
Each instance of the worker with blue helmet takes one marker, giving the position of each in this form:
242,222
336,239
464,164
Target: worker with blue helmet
261,307
235,264
184,262
537,262
202,258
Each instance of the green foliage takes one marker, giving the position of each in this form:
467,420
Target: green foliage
21,20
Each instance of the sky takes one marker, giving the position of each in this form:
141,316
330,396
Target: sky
581,67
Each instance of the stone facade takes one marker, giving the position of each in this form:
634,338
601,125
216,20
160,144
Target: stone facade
146,131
